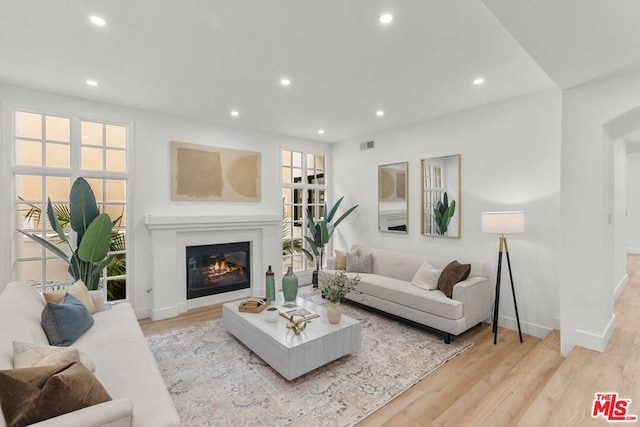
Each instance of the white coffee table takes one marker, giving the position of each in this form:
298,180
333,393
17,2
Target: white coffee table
289,354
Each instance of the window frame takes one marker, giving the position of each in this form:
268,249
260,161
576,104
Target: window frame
306,190
72,173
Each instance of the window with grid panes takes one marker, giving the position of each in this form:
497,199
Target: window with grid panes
50,152
303,186
433,190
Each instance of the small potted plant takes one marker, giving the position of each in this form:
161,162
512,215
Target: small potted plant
335,287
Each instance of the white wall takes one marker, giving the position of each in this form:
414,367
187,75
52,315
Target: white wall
510,157
620,277
594,116
633,203
149,183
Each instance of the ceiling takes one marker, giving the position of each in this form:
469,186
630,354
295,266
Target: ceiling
204,58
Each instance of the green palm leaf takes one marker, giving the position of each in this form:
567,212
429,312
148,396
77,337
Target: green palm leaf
83,207
95,244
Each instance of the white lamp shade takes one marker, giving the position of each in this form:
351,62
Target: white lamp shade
510,222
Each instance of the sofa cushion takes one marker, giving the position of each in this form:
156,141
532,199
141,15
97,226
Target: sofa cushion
64,323
453,273
133,373
30,395
360,264
426,277
20,309
404,293
403,266
341,258
28,355
78,290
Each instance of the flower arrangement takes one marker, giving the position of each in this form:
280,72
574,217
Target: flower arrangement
336,286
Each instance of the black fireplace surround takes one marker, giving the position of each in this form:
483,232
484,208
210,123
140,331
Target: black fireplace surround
219,268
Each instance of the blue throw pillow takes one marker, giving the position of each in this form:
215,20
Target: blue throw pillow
64,323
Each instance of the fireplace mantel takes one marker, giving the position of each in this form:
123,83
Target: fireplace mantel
186,222
171,234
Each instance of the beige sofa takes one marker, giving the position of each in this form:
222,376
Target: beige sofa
124,363
388,288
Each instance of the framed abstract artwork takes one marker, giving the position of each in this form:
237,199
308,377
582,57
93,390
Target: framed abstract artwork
205,173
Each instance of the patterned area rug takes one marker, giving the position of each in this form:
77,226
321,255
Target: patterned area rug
215,380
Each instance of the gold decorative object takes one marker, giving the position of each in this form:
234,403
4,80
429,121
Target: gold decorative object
297,323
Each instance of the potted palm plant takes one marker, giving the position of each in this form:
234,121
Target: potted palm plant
93,235
116,289
322,230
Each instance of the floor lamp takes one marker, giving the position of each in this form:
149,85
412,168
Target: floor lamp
502,223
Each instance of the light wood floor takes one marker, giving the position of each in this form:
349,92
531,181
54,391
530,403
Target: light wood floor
526,384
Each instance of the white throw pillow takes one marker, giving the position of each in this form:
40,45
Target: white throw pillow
28,355
426,277
360,264
98,301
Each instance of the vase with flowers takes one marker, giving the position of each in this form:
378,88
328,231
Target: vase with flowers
335,287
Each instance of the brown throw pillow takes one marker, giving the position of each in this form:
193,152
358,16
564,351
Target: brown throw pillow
452,274
30,395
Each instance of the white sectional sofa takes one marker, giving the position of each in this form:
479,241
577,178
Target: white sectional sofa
388,288
124,363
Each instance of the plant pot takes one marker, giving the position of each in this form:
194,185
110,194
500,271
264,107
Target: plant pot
334,312
271,314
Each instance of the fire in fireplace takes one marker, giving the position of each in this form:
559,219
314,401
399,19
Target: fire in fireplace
214,269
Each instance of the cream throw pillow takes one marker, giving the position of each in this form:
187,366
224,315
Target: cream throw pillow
28,355
78,290
341,258
426,277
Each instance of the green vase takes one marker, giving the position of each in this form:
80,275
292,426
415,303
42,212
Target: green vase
270,288
290,285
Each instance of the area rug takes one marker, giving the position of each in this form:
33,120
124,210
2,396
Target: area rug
215,380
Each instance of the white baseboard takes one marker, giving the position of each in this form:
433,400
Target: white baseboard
164,313
633,251
142,313
594,341
532,329
556,323
620,286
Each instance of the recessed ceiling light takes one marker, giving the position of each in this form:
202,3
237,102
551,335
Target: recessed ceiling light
97,21
478,81
386,18
235,113
321,131
379,113
92,83
285,82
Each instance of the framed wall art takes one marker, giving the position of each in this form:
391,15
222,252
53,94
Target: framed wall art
205,173
392,197
441,196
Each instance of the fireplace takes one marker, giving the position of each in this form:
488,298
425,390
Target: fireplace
218,268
